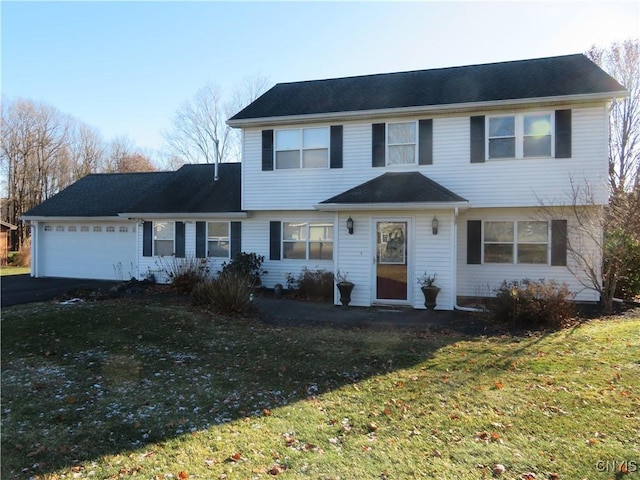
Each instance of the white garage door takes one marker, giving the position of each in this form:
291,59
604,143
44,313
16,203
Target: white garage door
105,251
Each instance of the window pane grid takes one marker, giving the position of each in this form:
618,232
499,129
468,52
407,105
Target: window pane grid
218,239
307,241
302,148
520,136
525,242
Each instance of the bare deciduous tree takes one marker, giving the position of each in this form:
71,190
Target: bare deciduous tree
34,156
622,61
199,126
123,157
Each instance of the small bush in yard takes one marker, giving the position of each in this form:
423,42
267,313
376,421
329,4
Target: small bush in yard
313,284
247,264
185,273
533,304
228,293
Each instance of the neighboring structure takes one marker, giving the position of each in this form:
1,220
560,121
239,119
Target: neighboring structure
5,228
440,171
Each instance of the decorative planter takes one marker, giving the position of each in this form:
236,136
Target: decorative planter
345,289
430,295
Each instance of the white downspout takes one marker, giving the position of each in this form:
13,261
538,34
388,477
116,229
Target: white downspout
34,248
455,268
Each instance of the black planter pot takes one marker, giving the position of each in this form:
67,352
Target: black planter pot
345,289
430,295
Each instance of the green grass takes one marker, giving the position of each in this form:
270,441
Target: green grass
117,389
11,270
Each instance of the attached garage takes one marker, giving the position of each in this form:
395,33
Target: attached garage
105,251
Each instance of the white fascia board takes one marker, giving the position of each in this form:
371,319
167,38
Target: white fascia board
424,110
343,207
183,216
40,218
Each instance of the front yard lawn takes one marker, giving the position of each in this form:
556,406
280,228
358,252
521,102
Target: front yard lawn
12,270
118,389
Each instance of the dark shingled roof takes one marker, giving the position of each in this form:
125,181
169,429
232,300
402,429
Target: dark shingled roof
523,79
397,187
190,189
100,195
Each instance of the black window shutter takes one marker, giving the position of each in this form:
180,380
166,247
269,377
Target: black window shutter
201,239
425,145
147,239
477,140
474,242
378,133
236,239
267,150
335,160
274,240
559,243
563,133
180,248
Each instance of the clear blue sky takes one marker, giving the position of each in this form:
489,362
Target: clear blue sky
125,67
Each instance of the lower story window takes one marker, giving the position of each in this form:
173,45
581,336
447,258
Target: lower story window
524,242
307,241
163,236
218,239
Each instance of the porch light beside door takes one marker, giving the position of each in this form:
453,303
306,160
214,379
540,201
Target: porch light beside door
350,225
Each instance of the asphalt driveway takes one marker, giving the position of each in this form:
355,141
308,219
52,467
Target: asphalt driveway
18,289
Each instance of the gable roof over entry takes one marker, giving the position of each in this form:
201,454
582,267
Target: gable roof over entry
552,77
395,190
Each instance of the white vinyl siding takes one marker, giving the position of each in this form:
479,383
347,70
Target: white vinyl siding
482,280
505,183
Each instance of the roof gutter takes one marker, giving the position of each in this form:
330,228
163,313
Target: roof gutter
424,109
182,216
42,218
341,207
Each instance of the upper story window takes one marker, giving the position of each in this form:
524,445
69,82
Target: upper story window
520,136
307,241
218,239
526,242
163,238
401,143
302,148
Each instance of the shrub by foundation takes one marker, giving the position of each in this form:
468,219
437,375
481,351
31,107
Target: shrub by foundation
527,304
228,293
312,284
185,273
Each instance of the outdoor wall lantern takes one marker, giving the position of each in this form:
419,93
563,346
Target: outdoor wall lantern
434,225
350,225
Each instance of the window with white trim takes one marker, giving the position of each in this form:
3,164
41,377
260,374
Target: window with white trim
111,229
302,148
218,239
72,228
124,229
523,242
307,240
59,228
402,143
163,238
520,135
84,228
48,228
97,229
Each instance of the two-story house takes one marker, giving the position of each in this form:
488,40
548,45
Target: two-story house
384,177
